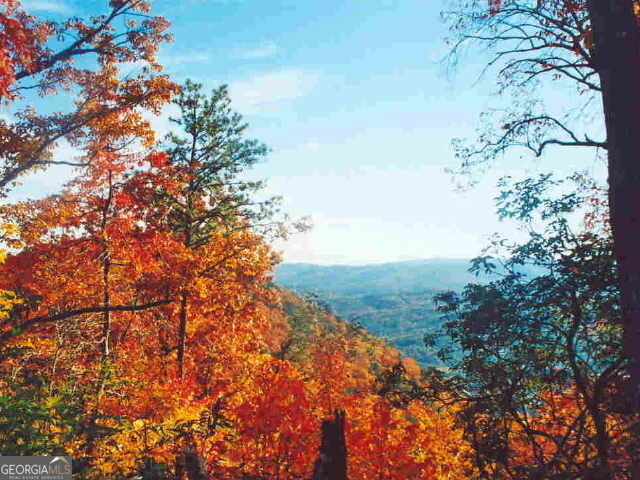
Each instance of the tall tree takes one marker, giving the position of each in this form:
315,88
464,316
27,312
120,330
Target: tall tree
208,153
616,57
595,45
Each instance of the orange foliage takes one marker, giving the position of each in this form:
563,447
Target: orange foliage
397,444
107,107
161,346
21,44
561,426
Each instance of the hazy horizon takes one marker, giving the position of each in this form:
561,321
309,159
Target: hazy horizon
411,260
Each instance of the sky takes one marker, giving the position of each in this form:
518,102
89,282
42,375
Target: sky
359,108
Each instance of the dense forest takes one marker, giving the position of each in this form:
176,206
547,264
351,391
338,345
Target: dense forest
143,335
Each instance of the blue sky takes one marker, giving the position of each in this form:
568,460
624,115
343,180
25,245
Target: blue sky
359,111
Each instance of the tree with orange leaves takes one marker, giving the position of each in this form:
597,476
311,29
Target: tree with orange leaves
411,442
99,244
123,217
94,219
21,43
207,152
105,100
88,254
107,107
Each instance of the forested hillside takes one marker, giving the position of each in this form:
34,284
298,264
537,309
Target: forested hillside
393,300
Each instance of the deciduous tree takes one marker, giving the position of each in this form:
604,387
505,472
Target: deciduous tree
83,59
543,342
594,45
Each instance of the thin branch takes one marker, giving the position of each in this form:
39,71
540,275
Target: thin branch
81,311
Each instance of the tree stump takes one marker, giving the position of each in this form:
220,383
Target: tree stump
332,460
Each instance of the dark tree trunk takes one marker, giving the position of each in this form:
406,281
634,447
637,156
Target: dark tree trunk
182,332
184,302
617,59
332,461
106,322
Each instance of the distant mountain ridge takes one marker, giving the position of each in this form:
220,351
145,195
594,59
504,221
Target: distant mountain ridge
391,300
394,277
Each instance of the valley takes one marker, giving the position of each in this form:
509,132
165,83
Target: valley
391,300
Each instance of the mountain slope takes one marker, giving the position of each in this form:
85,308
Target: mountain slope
392,300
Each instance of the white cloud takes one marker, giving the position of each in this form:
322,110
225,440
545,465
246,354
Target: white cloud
184,57
161,123
46,6
267,49
265,90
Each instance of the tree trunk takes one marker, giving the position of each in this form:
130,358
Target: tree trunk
182,332
184,301
617,58
106,321
332,461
